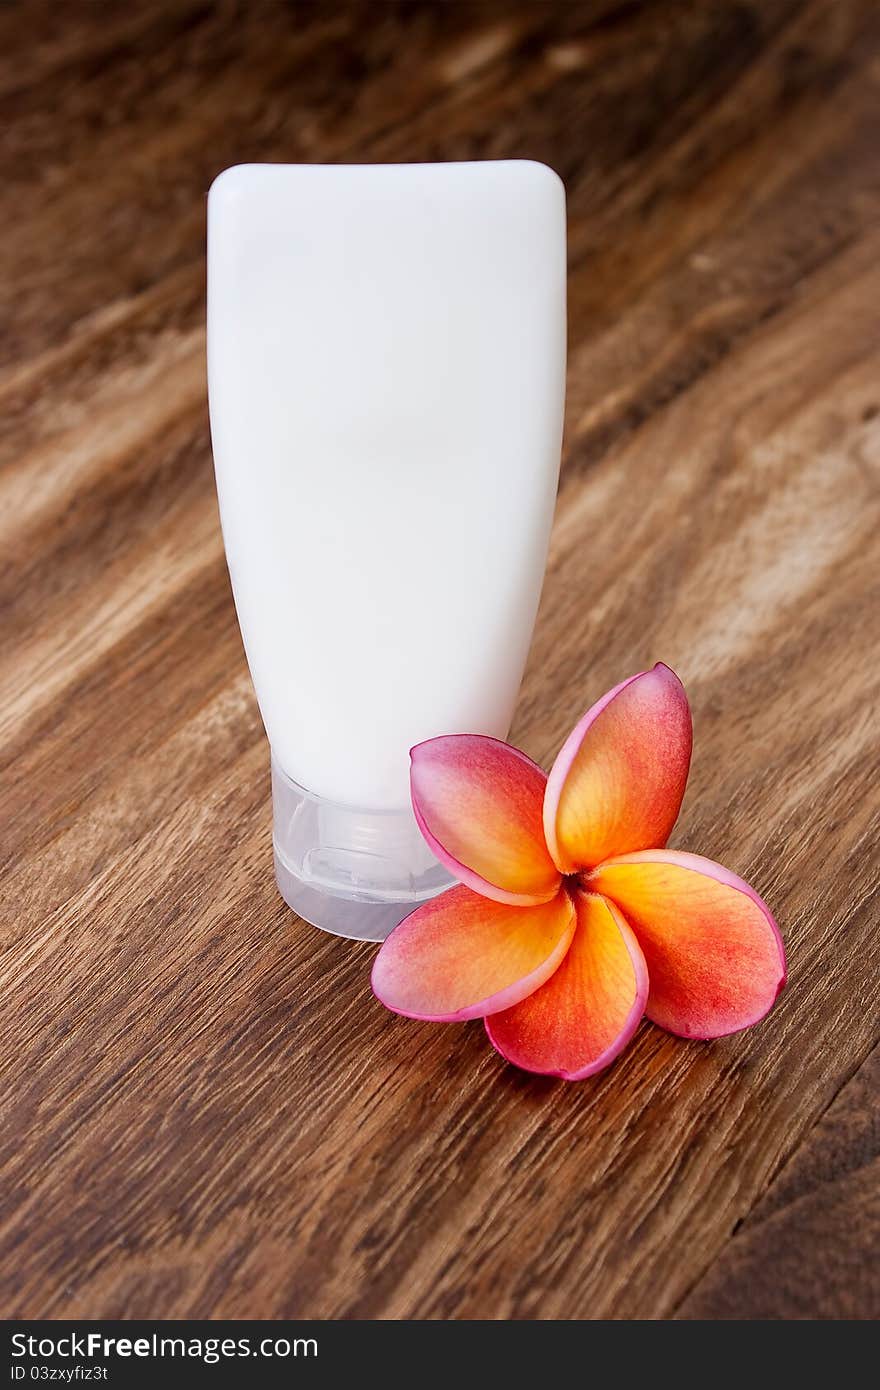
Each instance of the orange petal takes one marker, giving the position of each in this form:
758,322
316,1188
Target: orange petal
618,781
715,956
462,956
590,1007
479,805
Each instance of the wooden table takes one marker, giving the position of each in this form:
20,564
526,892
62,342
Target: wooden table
205,1113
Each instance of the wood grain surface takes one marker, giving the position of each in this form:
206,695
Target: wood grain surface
204,1112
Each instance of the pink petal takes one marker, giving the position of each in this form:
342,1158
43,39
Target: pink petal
478,803
715,956
590,1007
618,782
463,956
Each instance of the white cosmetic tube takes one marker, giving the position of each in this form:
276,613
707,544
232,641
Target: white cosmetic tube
386,368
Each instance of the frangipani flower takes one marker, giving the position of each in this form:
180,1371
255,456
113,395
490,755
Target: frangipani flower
571,920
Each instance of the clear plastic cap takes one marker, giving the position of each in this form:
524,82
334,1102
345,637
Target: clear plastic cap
351,871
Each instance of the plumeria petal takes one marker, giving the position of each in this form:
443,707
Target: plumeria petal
619,779
478,803
590,1007
715,957
462,955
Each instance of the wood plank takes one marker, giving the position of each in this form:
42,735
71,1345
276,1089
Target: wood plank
202,1110
827,1197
